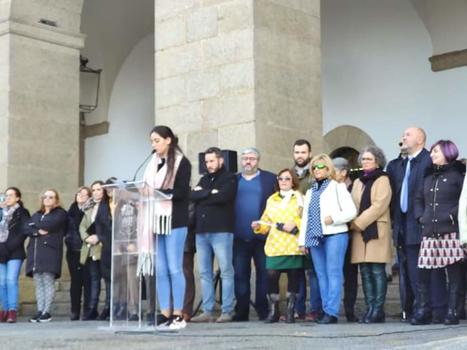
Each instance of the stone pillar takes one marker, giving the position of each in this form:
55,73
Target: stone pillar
239,73
39,97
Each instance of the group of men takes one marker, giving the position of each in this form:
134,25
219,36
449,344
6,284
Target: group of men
227,203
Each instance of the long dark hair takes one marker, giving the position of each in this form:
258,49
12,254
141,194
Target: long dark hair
105,196
165,132
17,194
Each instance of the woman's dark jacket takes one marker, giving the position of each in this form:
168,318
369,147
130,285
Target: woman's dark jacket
45,251
181,194
13,248
72,238
103,227
437,205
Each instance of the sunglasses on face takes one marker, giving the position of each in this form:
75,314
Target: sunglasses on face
280,178
319,166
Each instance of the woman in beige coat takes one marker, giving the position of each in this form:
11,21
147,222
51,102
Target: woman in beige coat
371,230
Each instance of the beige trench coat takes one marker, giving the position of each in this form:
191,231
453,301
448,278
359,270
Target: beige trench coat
376,250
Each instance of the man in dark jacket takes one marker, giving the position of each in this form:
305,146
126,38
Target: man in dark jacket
406,177
254,188
215,197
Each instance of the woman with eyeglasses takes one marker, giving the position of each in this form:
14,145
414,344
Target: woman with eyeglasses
328,207
73,242
13,219
46,229
96,233
371,231
281,222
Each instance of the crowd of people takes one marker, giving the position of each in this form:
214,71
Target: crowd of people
313,222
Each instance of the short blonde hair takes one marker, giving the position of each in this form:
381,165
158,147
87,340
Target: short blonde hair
326,160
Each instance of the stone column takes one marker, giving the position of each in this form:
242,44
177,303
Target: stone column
39,97
239,73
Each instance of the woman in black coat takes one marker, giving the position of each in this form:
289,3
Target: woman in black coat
79,277
13,220
46,229
436,208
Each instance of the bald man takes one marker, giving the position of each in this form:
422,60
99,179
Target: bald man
406,177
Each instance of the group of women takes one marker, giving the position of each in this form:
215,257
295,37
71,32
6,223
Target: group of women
317,227
320,227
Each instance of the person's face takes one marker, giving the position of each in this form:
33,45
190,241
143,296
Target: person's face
368,162
437,156
160,145
249,163
301,155
320,170
285,181
49,199
11,198
341,175
411,140
97,192
82,196
213,163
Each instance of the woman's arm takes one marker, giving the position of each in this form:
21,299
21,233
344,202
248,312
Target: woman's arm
347,211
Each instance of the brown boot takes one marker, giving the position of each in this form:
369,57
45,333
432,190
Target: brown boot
3,316
11,316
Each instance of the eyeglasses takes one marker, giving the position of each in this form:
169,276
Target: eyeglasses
48,197
251,159
280,178
319,166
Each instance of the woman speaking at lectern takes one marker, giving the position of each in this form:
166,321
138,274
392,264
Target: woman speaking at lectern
169,172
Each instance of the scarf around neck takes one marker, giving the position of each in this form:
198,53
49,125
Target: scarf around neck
371,232
7,215
155,214
314,229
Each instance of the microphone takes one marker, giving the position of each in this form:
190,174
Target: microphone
141,165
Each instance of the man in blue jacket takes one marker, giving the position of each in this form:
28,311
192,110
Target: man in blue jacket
253,189
406,177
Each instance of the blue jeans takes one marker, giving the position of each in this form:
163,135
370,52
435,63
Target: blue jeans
9,274
315,295
328,259
221,245
244,252
170,280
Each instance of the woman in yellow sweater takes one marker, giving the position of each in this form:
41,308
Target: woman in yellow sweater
280,221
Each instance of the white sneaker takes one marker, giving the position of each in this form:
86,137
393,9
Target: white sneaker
173,324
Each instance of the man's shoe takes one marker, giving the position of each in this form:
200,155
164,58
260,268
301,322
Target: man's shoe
313,316
350,316
90,315
405,317
328,319
204,317
35,318
161,319
105,314
45,317
74,316
11,316
224,318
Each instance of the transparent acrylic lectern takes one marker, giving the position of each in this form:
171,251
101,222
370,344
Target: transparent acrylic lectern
133,296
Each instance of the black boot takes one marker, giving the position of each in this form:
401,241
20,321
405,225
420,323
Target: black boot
422,315
368,291
273,316
381,285
291,297
452,316
90,315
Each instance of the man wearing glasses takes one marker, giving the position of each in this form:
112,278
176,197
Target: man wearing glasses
254,188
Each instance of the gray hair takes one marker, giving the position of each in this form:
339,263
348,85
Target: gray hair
377,152
253,150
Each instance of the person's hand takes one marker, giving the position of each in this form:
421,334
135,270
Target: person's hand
328,220
92,240
42,232
132,248
289,226
214,191
197,188
303,249
255,225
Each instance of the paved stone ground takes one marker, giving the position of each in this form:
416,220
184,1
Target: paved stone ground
63,334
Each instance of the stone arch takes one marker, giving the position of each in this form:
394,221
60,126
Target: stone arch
346,136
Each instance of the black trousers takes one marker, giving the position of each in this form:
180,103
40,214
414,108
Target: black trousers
79,278
350,282
293,276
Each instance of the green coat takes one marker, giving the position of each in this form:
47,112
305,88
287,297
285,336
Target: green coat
88,251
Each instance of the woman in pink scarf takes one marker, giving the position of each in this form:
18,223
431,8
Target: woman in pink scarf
169,172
